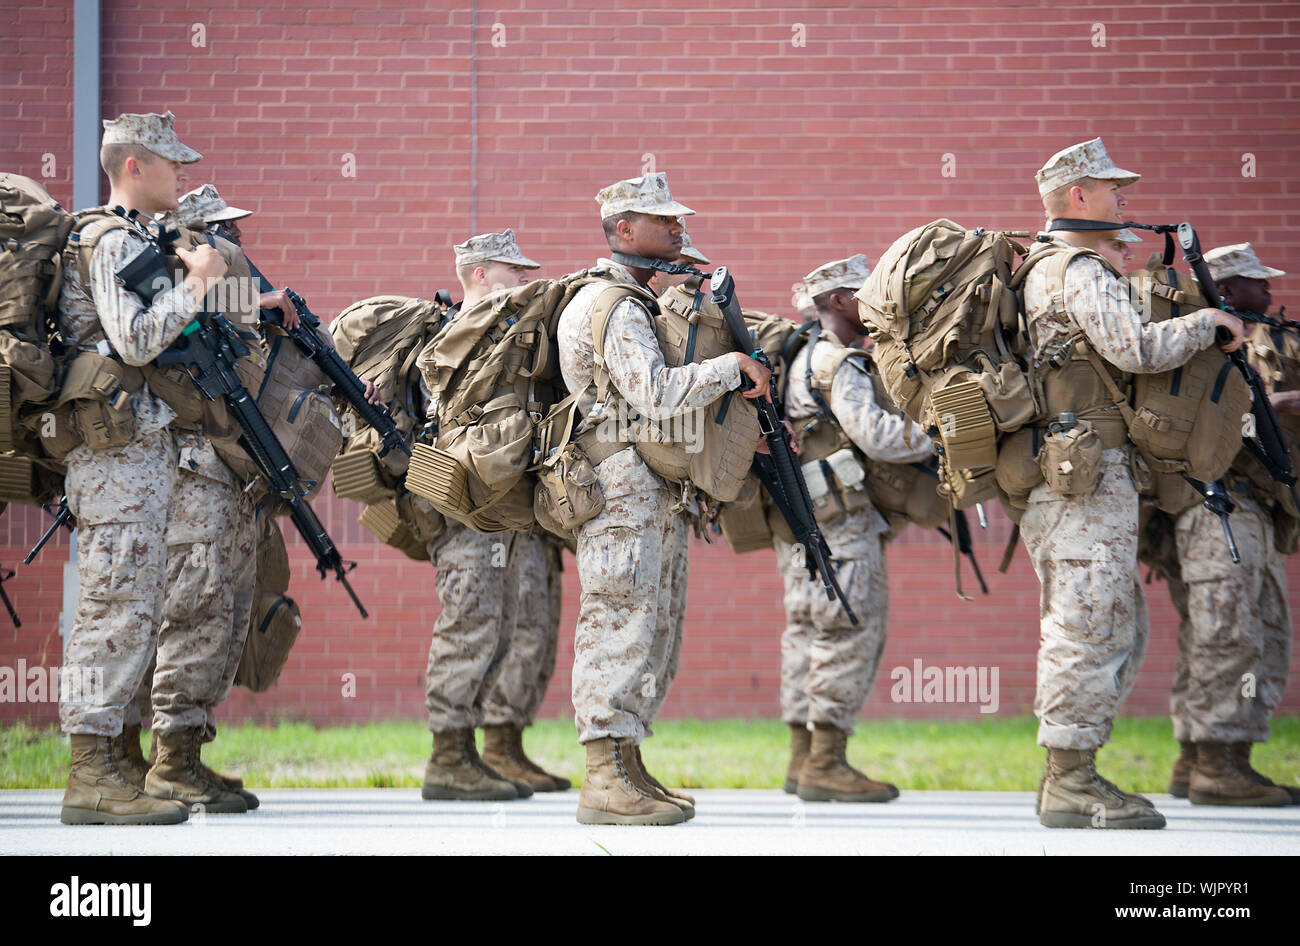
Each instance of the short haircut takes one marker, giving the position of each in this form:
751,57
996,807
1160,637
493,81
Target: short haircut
112,157
822,300
465,273
1057,202
610,226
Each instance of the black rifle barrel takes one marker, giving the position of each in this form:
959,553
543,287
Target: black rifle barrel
61,518
346,382
781,472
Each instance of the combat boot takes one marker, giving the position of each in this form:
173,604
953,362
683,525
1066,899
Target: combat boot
1182,772
456,773
800,743
1075,796
1241,750
130,758
230,783
647,783
827,776
609,796
1216,780
503,751
522,788
675,795
178,774
98,792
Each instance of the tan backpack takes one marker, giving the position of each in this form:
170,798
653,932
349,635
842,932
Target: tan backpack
381,338
275,620
711,447
945,322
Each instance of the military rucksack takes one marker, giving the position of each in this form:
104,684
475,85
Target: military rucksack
1184,421
945,322
275,620
34,229
380,339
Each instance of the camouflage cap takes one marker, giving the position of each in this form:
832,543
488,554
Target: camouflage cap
493,248
690,252
1239,259
647,195
848,273
1087,159
204,205
152,131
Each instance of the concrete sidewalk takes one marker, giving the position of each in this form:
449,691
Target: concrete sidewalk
397,821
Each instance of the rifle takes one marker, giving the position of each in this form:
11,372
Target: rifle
208,349
779,469
61,518
5,575
346,383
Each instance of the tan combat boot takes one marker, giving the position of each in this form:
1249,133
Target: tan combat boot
177,773
1182,772
647,783
675,795
800,743
98,793
1216,780
1241,750
609,796
130,758
230,783
503,750
1075,796
827,776
456,773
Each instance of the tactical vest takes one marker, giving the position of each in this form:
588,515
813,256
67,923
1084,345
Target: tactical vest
711,447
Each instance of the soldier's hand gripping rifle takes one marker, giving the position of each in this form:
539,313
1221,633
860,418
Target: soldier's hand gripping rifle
779,470
208,350
346,383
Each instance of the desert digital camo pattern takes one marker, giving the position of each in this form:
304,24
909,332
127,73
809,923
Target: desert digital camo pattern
647,194
848,273
1099,304
1234,637
1086,159
152,130
210,539
470,635
1093,613
120,497
533,612
629,623
822,653
1239,259
493,248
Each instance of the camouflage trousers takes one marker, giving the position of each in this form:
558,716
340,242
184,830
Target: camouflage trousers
624,641
211,556
472,633
120,497
827,665
1234,637
1093,613
532,608
667,650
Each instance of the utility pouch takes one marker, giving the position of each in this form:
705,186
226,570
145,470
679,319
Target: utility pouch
851,477
96,387
1070,458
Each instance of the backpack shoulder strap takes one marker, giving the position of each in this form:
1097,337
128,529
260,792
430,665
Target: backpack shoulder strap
606,301
88,228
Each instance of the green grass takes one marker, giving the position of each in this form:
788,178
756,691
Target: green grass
980,755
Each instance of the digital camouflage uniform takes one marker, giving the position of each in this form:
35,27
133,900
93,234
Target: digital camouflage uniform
532,611
471,633
828,665
1084,548
121,496
623,642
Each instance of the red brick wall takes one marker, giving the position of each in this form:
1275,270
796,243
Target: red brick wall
791,154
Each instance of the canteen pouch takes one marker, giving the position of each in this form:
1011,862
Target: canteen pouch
96,387
1070,459
1018,470
568,492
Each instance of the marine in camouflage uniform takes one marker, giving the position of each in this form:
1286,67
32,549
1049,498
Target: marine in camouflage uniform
1234,635
123,496
827,664
1084,548
493,645
626,553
